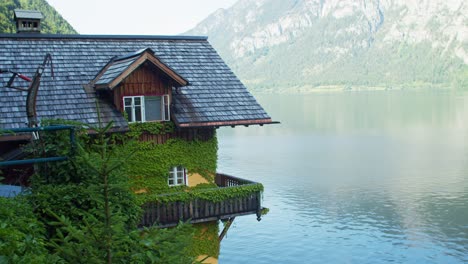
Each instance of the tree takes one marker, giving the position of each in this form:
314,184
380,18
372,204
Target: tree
85,211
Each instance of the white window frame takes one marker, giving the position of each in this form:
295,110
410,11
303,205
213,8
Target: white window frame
165,107
174,173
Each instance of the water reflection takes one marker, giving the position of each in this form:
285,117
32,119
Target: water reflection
354,178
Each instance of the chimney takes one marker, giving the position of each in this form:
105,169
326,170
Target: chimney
28,21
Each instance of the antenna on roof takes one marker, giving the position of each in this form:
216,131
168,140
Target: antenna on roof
32,89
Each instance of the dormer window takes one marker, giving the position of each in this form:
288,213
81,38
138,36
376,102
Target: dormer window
147,108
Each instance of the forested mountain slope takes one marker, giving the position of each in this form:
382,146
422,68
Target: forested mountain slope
53,22
298,43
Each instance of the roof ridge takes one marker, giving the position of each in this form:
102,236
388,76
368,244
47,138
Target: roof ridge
92,37
131,54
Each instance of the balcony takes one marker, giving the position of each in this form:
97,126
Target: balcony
233,197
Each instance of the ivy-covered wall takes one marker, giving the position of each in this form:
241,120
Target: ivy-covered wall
148,166
149,163
206,240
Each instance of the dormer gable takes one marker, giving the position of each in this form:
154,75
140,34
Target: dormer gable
140,85
119,68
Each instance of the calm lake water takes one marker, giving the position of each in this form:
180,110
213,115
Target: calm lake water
374,177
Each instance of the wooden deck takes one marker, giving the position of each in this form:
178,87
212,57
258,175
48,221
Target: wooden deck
197,210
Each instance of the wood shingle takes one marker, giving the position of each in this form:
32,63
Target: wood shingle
214,96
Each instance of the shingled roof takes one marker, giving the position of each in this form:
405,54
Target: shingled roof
32,14
214,96
120,67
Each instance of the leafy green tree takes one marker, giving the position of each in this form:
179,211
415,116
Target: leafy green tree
22,238
89,211
6,15
53,22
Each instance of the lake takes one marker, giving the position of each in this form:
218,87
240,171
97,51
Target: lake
353,177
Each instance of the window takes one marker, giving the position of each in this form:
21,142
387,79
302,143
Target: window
146,108
177,176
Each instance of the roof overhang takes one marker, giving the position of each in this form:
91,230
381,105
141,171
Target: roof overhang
252,122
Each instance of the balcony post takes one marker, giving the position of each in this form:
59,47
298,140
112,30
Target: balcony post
259,206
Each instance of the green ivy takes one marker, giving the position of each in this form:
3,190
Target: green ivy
212,194
205,240
149,163
22,237
155,128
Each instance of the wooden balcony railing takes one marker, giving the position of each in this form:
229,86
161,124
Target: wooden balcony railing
171,209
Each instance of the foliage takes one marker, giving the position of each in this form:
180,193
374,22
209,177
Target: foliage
149,166
89,210
22,237
89,213
324,50
169,245
150,163
205,240
57,143
264,211
53,22
7,24
212,194
154,128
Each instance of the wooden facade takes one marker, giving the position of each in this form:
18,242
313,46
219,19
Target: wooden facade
148,80
143,81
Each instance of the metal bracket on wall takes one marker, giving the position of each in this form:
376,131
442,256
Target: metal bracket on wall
43,159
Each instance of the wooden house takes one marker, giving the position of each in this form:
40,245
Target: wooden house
137,79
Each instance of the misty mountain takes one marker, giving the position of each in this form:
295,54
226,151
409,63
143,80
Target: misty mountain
297,43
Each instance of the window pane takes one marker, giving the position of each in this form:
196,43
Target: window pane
128,111
138,113
137,100
180,174
128,101
153,108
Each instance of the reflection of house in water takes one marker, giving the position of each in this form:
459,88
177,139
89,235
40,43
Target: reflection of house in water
178,81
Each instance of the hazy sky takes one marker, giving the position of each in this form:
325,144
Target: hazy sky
136,17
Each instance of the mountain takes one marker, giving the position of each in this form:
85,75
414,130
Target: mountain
272,44
53,22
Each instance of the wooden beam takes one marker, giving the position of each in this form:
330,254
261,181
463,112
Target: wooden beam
15,137
145,56
229,123
227,225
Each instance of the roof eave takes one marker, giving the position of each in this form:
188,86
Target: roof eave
101,37
216,124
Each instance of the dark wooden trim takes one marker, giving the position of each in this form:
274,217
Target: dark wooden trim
102,37
23,137
145,56
226,228
229,123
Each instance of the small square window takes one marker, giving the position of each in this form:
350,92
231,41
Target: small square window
177,176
